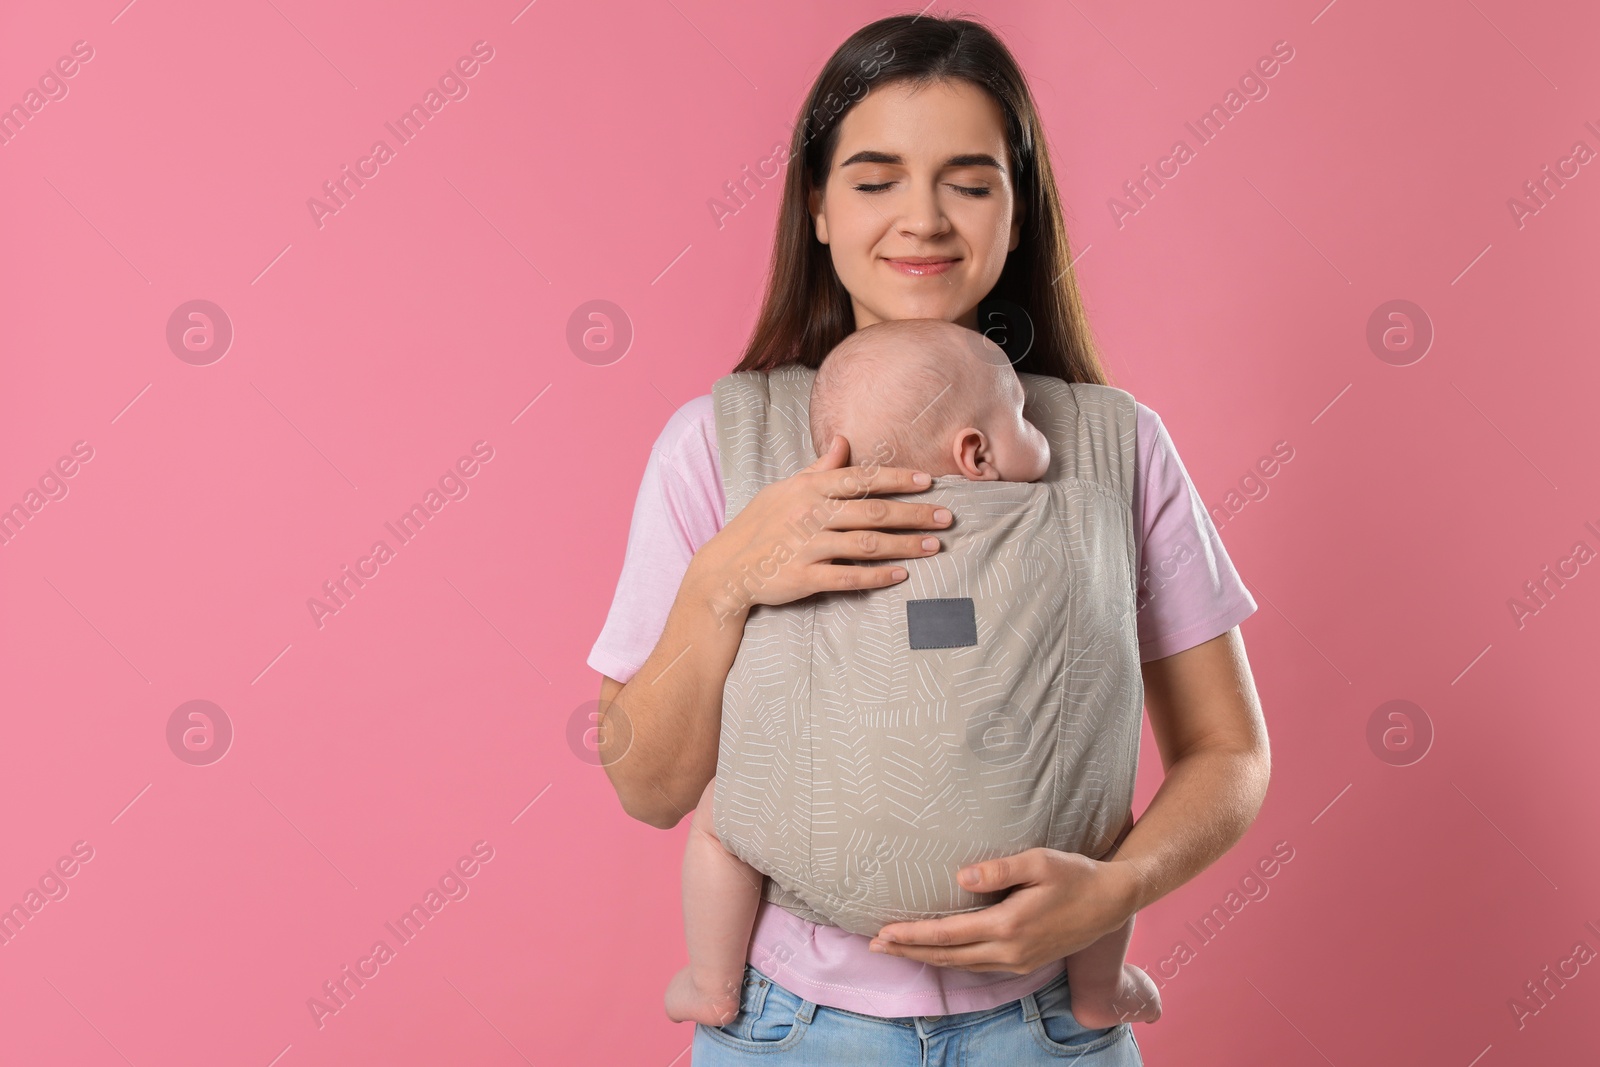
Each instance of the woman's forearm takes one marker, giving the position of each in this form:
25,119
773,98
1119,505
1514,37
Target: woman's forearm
1206,802
658,737
1207,722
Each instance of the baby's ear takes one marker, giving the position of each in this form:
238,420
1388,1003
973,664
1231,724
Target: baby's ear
971,450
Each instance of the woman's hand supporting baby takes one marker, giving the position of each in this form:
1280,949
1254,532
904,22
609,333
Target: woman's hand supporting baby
1060,902
780,547
658,733
1206,718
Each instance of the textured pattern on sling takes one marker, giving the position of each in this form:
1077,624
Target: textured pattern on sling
860,773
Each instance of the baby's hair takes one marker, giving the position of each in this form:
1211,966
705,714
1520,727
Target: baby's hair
911,371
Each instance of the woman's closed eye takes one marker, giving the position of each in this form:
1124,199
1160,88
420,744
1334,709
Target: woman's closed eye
967,190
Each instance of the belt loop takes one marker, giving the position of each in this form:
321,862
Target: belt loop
1030,1008
758,1000
806,1012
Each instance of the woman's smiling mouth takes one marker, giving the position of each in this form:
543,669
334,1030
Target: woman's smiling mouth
922,266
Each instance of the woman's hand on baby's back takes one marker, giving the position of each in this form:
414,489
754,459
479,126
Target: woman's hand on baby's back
780,547
1058,903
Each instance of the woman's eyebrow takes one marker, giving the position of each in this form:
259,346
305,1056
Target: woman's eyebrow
970,159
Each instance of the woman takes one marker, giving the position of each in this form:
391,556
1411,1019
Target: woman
918,186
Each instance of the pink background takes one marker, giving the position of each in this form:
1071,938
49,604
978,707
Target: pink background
429,313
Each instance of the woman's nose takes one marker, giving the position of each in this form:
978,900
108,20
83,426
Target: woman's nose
923,217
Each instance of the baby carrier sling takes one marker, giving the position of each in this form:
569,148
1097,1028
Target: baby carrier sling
875,741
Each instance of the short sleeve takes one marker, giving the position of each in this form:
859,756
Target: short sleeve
1189,591
680,507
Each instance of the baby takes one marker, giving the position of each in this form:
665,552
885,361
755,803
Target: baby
937,397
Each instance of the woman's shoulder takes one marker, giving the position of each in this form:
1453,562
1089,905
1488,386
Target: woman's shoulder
692,426
1189,590
687,447
1158,459
1149,427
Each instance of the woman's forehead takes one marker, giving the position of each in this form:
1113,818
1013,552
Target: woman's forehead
934,123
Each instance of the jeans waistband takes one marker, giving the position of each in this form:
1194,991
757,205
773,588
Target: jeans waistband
927,1024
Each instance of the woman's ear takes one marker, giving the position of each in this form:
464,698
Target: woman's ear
1019,213
819,219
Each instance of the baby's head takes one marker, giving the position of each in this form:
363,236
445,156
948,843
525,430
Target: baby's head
929,395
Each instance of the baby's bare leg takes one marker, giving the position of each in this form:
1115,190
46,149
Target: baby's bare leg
720,896
1105,989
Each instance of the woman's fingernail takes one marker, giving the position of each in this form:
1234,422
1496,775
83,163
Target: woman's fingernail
930,543
877,946
969,877
898,573
941,514
921,478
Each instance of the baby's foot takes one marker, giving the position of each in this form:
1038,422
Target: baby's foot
1134,1000
688,1001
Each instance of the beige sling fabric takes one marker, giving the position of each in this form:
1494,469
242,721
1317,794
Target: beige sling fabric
875,741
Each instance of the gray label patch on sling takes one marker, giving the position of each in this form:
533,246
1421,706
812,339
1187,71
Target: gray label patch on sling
944,622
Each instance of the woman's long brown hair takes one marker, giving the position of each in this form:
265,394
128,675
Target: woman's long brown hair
1033,312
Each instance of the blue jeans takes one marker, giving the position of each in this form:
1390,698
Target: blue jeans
778,1028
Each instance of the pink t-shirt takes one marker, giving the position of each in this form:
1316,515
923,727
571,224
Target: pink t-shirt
1189,593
